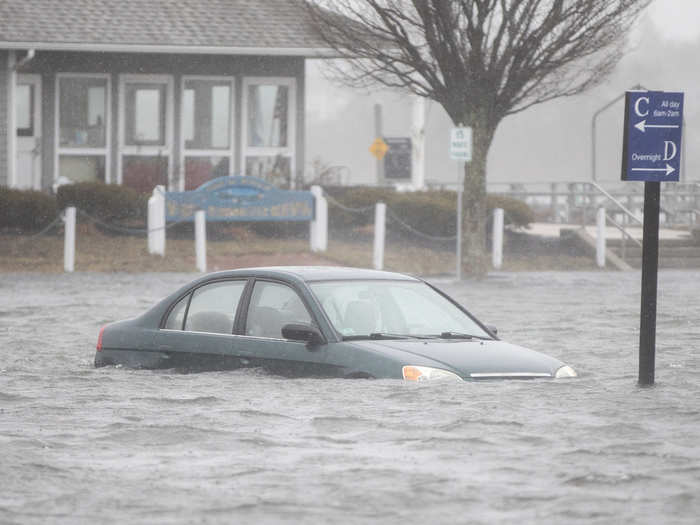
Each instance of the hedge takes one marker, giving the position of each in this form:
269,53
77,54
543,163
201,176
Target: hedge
26,210
431,212
108,202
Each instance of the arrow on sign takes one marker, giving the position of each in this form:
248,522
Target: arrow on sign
668,169
641,126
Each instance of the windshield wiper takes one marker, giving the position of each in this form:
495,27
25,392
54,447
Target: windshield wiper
459,335
378,335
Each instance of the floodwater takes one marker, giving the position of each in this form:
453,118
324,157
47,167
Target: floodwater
85,445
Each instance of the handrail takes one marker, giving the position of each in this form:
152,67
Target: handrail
622,230
617,202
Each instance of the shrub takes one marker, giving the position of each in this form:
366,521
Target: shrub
432,212
26,210
108,202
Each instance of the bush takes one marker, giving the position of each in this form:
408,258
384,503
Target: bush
107,202
431,212
26,210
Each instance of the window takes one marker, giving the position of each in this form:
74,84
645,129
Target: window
83,112
145,114
207,129
83,127
272,306
212,308
268,111
177,314
269,129
25,110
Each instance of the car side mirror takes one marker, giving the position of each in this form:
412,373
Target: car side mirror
302,332
492,329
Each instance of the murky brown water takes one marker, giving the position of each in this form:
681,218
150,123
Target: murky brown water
80,445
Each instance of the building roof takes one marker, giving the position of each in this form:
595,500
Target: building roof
267,27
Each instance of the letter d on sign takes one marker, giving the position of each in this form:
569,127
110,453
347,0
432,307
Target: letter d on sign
670,146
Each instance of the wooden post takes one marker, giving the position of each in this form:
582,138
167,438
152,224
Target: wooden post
200,239
69,240
379,235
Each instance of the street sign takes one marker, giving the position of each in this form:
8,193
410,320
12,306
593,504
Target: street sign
461,144
651,152
378,148
652,136
397,162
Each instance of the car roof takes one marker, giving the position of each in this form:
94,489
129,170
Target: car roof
319,273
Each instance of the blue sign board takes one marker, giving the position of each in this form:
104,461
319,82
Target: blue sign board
652,139
238,198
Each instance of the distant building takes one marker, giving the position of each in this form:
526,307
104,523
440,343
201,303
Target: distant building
146,92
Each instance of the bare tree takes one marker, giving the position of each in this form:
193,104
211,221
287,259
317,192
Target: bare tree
482,60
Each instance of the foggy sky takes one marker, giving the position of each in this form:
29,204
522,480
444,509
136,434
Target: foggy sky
545,143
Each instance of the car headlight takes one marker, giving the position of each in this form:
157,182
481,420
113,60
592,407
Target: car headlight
565,371
425,373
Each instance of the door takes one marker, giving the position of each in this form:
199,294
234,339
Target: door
146,133
28,121
273,305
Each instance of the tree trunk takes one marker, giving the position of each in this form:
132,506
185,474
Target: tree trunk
474,209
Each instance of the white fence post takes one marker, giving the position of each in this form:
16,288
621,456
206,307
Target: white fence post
379,235
69,240
156,221
497,239
600,238
200,239
318,229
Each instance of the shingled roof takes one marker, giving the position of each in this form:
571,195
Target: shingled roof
279,27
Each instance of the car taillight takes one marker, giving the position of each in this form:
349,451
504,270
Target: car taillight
99,338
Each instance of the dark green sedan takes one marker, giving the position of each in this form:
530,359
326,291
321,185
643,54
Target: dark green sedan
322,322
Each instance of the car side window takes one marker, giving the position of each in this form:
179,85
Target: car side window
272,306
177,314
213,307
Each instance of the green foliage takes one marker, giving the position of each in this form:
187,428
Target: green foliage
432,212
26,210
108,202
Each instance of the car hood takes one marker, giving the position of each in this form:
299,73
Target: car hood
472,359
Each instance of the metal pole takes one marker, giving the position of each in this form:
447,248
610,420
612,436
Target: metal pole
378,134
460,189
650,271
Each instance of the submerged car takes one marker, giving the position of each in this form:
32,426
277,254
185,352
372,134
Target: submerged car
322,322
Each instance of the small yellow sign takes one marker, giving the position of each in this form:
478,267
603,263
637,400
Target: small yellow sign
378,148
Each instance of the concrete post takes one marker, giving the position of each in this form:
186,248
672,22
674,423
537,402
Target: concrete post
156,221
497,239
318,229
379,235
69,240
600,238
200,239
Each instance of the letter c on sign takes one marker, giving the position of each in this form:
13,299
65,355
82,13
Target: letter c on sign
638,110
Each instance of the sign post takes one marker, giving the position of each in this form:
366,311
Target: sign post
461,151
651,153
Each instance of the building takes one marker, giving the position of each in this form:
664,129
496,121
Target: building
146,92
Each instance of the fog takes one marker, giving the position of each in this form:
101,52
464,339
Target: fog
549,142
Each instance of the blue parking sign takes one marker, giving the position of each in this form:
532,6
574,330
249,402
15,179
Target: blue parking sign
652,136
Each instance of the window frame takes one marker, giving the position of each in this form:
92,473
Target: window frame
248,297
146,150
289,150
189,293
105,151
199,152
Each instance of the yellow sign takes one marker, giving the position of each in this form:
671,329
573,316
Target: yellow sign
378,148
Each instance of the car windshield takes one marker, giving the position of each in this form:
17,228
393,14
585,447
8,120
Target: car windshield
393,309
